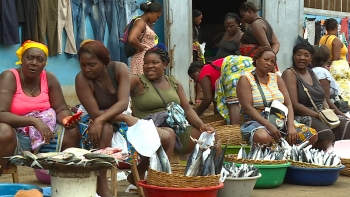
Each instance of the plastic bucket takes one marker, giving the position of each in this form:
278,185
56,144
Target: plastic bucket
155,191
312,176
238,187
10,189
42,176
235,149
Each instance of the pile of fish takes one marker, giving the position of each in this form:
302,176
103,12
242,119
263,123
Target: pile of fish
203,160
72,156
263,152
232,171
159,161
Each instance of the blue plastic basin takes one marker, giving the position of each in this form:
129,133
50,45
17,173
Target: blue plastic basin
312,176
10,189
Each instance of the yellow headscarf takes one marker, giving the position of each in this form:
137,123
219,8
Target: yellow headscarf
30,44
86,41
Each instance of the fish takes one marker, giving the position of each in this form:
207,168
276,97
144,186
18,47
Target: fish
164,161
239,172
209,165
154,163
43,156
194,169
30,156
220,160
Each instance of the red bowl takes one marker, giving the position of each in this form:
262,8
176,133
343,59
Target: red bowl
42,176
156,191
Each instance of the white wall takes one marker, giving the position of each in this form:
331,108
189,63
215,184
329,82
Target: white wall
286,18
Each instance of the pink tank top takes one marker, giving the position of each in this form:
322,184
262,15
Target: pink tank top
23,104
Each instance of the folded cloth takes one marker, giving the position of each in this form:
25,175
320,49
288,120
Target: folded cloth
29,193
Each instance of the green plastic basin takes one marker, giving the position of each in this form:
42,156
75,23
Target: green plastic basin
272,175
235,149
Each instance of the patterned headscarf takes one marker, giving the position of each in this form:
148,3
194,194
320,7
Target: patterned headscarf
30,44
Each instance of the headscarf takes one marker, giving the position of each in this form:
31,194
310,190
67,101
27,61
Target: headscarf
30,44
85,41
304,45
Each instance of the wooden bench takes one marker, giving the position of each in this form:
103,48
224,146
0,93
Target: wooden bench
13,171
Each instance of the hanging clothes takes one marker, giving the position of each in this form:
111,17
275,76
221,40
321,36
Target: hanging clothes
310,26
318,31
345,27
9,34
27,16
47,24
131,9
65,22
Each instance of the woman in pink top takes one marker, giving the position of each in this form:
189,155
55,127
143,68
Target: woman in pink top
32,100
206,76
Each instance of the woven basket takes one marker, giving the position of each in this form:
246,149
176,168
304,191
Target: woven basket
212,118
230,134
346,170
233,158
179,180
218,123
309,165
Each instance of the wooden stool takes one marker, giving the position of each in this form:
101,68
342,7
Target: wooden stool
12,170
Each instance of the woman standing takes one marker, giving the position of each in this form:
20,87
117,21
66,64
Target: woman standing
142,37
229,45
259,32
197,51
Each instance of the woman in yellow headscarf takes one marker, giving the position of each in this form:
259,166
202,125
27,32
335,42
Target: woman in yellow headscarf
32,107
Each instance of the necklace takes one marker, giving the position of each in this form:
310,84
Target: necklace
25,86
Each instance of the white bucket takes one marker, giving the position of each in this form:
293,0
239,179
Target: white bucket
238,187
73,184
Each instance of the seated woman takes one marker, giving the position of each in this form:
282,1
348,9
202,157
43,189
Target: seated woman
27,93
146,100
206,76
302,105
255,128
233,67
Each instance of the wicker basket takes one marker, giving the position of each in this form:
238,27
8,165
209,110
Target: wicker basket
179,180
230,134
218,123
309,165
212,118
346,170
233,158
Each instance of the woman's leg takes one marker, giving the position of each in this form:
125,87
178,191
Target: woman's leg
71,138
234,113
8,144
167,138
261,137
105,141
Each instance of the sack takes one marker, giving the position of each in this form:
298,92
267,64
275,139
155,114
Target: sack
276,113
329,118
176,118
128,49
342,105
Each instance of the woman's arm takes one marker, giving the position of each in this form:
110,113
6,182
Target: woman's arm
259,32
7,90
326,87
275,44
287,102
138,28
207,95
291,83
336,47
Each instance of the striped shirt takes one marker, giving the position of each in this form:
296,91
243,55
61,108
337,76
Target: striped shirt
271,90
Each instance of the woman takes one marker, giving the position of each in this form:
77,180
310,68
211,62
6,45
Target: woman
334,44
146,100
259,32
142,36
206,76
233,67
329,85
229,45
32,105
255,128
198,54
302,106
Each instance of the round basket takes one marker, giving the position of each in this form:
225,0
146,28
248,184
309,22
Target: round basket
212,118
346,170
233,158
230,134
218,123
309,165
179,180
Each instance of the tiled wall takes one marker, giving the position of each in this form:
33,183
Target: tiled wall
334,5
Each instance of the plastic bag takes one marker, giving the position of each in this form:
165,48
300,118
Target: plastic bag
118,141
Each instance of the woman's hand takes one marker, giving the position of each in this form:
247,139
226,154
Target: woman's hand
72,125
94,131
46,133
206,128
274,132
292,135
130,120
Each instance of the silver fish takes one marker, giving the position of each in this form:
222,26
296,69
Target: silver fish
164,161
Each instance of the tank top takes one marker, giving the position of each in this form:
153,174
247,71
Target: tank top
271,90
104,99
212,72
249,38
23,104
227,48
149,102
328,40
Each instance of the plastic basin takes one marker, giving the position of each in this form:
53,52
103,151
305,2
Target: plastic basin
272,175
155,191
238,187
47,191
43,176
235,149
10,189
312,176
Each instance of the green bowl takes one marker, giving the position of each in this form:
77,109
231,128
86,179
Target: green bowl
272,175
235,149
